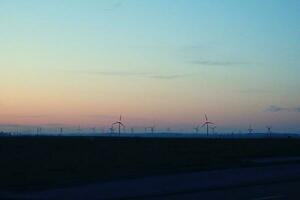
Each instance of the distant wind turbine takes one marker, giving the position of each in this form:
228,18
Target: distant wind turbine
39,130
151,128
207,123
250,129
196,129
213,129
269,130
119,124
112,130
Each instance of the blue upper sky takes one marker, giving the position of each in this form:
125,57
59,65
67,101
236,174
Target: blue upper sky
237,60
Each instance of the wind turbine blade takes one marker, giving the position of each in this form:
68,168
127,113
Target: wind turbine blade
121,124
206,117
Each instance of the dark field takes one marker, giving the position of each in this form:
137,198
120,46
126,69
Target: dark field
29,163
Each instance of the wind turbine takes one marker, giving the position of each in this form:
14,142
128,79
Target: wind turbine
269,130
119,124
250,129
112,130
206,123
213,129
196,129
79,129
152,128
39,130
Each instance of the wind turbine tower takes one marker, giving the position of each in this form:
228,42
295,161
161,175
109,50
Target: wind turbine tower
151,128
207,123
250,129
269,130
112,130
213,129
119,124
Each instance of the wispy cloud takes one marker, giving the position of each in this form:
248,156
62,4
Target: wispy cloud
166,77
133,74
25,116
254,91
114,6
102,116
111,73
115,117
215,63
297,109
274,108
54,125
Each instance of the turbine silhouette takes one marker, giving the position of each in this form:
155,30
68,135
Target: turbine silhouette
197,129
39,130
269,130
213,129
112,130
250,129
119,124
207,123
151,128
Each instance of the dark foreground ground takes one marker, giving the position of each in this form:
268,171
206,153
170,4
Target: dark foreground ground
35,163
274,182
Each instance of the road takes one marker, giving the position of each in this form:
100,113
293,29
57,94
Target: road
268,191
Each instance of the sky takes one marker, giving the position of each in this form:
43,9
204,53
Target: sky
160,62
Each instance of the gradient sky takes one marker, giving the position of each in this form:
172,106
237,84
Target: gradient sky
162,62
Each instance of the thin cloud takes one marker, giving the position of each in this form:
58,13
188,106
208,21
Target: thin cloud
134,74
215,63
102,116
254,91
32,116
26,116
166,77
54,125
10,125
113,73
274,108
114,6
296,109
